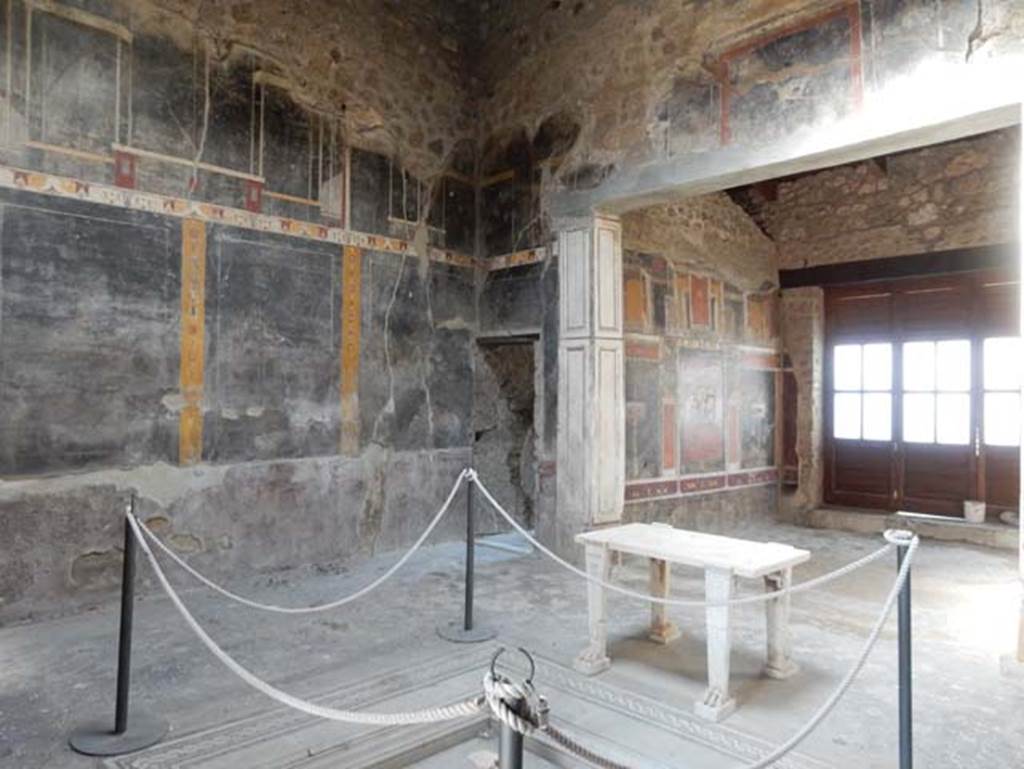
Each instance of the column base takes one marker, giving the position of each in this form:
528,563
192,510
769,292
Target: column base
98,739
714,707
664,634
590,663
456,632
781,671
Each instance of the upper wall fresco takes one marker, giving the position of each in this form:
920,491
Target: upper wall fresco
665,82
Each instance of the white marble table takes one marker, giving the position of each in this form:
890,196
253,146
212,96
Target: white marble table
723,559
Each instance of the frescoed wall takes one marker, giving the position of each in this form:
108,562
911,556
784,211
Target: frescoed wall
701,365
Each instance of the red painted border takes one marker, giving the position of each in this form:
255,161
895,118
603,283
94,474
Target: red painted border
852,12
698,484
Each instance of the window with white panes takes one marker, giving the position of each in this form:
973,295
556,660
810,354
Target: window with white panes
937,392
1001,379
862,392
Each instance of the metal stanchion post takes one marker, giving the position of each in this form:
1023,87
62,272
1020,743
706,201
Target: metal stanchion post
467,614
143,729
466,631
905,690
510,745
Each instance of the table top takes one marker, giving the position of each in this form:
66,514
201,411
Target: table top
744,557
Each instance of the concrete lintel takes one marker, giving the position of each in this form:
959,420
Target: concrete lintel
665,180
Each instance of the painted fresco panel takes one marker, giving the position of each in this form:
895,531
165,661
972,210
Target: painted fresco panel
756,404
643,419
700,312
761,317
701,395
274,334
732,312
90,329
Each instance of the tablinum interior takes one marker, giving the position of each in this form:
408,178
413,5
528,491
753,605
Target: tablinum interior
282,272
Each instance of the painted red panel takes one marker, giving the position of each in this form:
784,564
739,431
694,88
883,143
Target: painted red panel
253,195
643,350
124,169
668,435
700,311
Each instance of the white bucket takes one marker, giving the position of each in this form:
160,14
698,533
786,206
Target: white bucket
974,511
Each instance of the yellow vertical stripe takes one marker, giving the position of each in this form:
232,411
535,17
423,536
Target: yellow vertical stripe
193,329
351,318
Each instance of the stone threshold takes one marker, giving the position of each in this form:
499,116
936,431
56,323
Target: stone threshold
942,528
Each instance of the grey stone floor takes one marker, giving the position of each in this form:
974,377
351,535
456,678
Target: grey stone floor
969,700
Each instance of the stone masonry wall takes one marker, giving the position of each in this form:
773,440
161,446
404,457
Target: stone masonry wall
954,195
803,339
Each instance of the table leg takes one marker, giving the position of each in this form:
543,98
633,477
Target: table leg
778,663
594,659
716,704
662,629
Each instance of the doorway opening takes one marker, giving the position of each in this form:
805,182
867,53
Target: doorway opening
504,426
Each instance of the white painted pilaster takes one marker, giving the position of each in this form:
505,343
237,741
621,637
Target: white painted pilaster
591,399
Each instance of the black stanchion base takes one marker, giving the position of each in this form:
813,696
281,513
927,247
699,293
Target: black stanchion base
456,633
98,739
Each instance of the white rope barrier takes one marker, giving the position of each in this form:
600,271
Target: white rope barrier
430,715
322,607
693,603
498,691
858,665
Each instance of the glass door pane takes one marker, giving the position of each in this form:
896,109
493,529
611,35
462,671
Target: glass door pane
953,423
953,365
919,418
846,416
1002,419
919,366
877,416
877,367
1002,372
1002,364
936,392
846,367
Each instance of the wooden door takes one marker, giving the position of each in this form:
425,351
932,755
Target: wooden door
936,448
859,469
999,365
923,394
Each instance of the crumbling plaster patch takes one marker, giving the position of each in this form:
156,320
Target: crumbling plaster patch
65,534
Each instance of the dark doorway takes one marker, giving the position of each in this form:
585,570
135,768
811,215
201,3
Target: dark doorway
504,447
